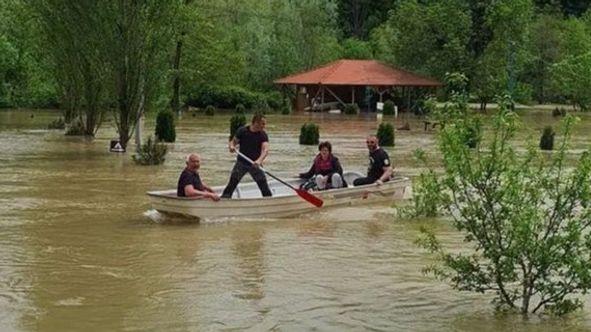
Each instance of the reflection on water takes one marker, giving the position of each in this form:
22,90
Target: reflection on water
80,249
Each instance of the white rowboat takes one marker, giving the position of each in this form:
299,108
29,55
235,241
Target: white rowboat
248,202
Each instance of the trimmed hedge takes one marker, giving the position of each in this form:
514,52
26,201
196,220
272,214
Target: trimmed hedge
237,121
210,110
165,126
547,139
389,107
351,109
385,134
309,134
228,97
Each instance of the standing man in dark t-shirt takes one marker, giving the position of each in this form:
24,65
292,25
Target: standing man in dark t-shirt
380,168
190,184
254,143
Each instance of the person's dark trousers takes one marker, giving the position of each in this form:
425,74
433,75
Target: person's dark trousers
362,181
238,172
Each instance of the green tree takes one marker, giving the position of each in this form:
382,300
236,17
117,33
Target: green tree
572,77
526,218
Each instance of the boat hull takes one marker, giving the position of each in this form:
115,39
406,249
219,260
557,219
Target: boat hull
284,203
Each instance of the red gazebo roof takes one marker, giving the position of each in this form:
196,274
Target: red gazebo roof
358,72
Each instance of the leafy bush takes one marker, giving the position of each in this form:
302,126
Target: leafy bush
524,217
351,109
150,153
472,132
240,109
165,126
261,106
58,123
210,110
237,121
225,97
274,100
389,107
385,134
547,139
309,134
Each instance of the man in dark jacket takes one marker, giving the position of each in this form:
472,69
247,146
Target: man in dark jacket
380,168
254,143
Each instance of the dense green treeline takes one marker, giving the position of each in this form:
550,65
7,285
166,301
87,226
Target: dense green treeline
124,57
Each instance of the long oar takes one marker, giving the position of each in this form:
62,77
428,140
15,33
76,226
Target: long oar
302,193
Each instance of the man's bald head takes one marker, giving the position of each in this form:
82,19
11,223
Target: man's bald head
193,161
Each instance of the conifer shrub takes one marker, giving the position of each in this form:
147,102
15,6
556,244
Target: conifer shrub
351,109
240,109
547,139
150,153
388,107
286,107
165,130
210,110
236,121
309,134
385,134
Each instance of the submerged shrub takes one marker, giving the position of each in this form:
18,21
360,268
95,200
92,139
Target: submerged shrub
236,121
309,134
385,134
351,109
150,153
547,139
389,107
58,123
558,112
210,110
165,126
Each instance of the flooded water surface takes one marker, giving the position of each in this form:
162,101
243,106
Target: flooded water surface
81,249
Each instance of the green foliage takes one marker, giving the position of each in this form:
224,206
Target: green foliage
223,97
57,124
351,109
429,198
165,129
573,78
210,110
240,109
150,153
472,132
309,134
385,134
547,139
356,49
526,218
237,121
286,107
389,107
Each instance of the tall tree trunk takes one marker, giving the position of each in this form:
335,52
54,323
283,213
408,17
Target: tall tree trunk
176,84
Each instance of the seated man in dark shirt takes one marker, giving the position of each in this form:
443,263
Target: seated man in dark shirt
380,169
190,184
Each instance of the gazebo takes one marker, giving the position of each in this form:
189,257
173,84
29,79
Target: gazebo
348,81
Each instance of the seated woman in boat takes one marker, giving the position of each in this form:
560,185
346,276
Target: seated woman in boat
190,184
326,171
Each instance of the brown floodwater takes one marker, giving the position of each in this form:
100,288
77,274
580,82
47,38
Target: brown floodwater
81,250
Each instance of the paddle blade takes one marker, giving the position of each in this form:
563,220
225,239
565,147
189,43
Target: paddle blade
310,198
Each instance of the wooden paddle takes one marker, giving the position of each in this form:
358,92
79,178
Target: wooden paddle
302,193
